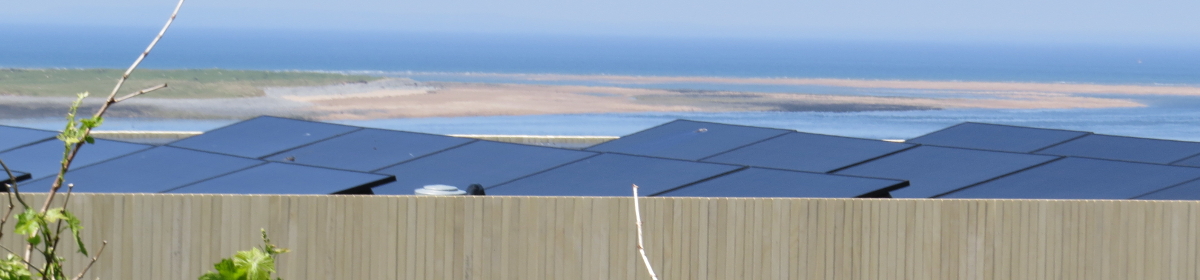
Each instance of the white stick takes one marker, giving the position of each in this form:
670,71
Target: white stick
637,212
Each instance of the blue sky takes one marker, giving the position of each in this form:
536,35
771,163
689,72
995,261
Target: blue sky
1172,22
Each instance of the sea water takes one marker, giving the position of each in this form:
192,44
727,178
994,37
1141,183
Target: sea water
423,56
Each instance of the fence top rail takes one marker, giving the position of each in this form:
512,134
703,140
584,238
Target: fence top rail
368,197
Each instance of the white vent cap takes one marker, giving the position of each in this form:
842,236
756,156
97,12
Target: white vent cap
439,190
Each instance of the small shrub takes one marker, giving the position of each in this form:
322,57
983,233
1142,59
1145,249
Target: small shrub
253,264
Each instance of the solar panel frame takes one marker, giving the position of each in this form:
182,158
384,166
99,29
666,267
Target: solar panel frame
935,170
152,170
1004,138
276,177
794,151
237,139
1077,178
658,175
487,163
1134,149
688,139
16,137
348,151
1192,161
17,177
44,159
1189,190
832,185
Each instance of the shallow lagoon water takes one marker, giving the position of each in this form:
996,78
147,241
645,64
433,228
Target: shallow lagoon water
1179,121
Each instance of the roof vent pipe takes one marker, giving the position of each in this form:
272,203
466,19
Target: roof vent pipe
439,190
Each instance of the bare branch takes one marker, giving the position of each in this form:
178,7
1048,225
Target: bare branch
12,179
140,92
94,258
137,62
637,212
12,188
104,108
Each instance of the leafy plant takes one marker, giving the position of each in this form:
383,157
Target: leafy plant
43,227
253,264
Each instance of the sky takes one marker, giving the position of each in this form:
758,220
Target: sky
1169,22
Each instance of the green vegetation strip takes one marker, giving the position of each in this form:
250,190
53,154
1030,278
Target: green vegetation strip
208,83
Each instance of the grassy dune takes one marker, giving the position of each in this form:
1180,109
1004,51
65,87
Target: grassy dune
208,83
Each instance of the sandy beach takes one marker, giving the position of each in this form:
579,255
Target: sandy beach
404,98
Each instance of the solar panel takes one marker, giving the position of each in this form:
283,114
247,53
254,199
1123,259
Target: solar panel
808,152
44,159
368,149
612,175
153,170
1126,148
481,162
283,178
1185,191
262,136
933,171
997,137
761,182
689,140
12,137
1082,178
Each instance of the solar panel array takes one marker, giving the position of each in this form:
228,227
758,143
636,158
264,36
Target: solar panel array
270,155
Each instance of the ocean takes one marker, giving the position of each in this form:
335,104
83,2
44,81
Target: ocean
420,54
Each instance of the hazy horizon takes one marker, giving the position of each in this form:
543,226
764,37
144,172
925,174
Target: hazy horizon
1164,23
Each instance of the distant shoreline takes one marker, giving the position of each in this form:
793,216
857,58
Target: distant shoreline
590,94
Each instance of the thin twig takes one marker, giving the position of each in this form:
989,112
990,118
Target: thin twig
12,187
94,258
12,179
110,101
140,92
637,213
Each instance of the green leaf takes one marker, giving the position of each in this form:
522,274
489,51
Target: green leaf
89,139
226,270
54,215
91,122
34,240
27,223
211,276
76,227
258,265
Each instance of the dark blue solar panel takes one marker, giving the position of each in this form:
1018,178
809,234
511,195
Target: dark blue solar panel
18,175
44,159
690,140
612,175
262,136
760,182
808,152
482,162
282,178
12,137
1185,191
997,137
933,171
1082,178
153,170
368,149
1126,148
